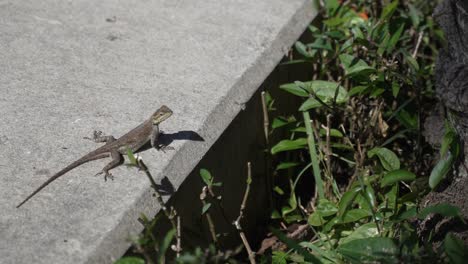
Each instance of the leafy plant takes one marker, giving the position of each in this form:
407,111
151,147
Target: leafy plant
358,134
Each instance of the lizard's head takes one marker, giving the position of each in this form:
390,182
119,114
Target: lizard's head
161,114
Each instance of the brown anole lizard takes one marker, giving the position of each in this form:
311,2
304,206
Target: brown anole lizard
134,140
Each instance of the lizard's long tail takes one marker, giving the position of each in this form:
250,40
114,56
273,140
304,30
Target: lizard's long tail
70,167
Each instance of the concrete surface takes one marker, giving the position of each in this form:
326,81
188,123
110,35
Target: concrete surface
70,67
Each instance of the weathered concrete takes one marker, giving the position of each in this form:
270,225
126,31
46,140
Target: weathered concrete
68,68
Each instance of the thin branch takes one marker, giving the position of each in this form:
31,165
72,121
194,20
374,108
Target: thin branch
142,166
418,43
141,250
179,240
241,214
211,226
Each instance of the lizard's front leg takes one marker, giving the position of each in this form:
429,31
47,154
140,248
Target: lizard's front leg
154,140
99,138
155,136
117,159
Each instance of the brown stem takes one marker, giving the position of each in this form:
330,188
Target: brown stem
237,224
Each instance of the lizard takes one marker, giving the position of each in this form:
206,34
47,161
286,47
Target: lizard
148,131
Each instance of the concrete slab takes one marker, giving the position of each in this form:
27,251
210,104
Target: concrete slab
70,67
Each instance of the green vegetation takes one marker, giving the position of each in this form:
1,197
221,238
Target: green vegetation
355,143
360,124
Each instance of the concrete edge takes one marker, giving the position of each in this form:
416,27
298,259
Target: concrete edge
112,245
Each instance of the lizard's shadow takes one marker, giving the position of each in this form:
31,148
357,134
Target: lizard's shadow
165,139
166,187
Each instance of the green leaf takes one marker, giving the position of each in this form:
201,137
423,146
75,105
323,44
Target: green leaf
336,34
449,151
287,144
341,146
455,249
395,89
440,170
299,129
315,219
410,121
326,208
363,231
388,10
286,165
275,215
131,157
328,254
370,195
294,245
293,88
334,21
449,137
291,218
397,176
313,29
310,104
348,44
357,90
391,197
346,200
370,250
333,133
388,158
410,213
394,39
130,260
313,155
292,202
376,92
383,45
320,44
330,224
357,32
414,15
302,49
278,190
354,66
165,245
279,257
282,121
354,215
331,5
205,208
206,177
326,91
443,209
412,62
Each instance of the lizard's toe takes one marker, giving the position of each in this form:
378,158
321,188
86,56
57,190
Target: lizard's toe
96,134
108,175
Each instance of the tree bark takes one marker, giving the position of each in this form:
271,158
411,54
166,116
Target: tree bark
451,74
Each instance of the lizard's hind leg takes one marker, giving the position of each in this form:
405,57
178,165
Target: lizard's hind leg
99,138
117,159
